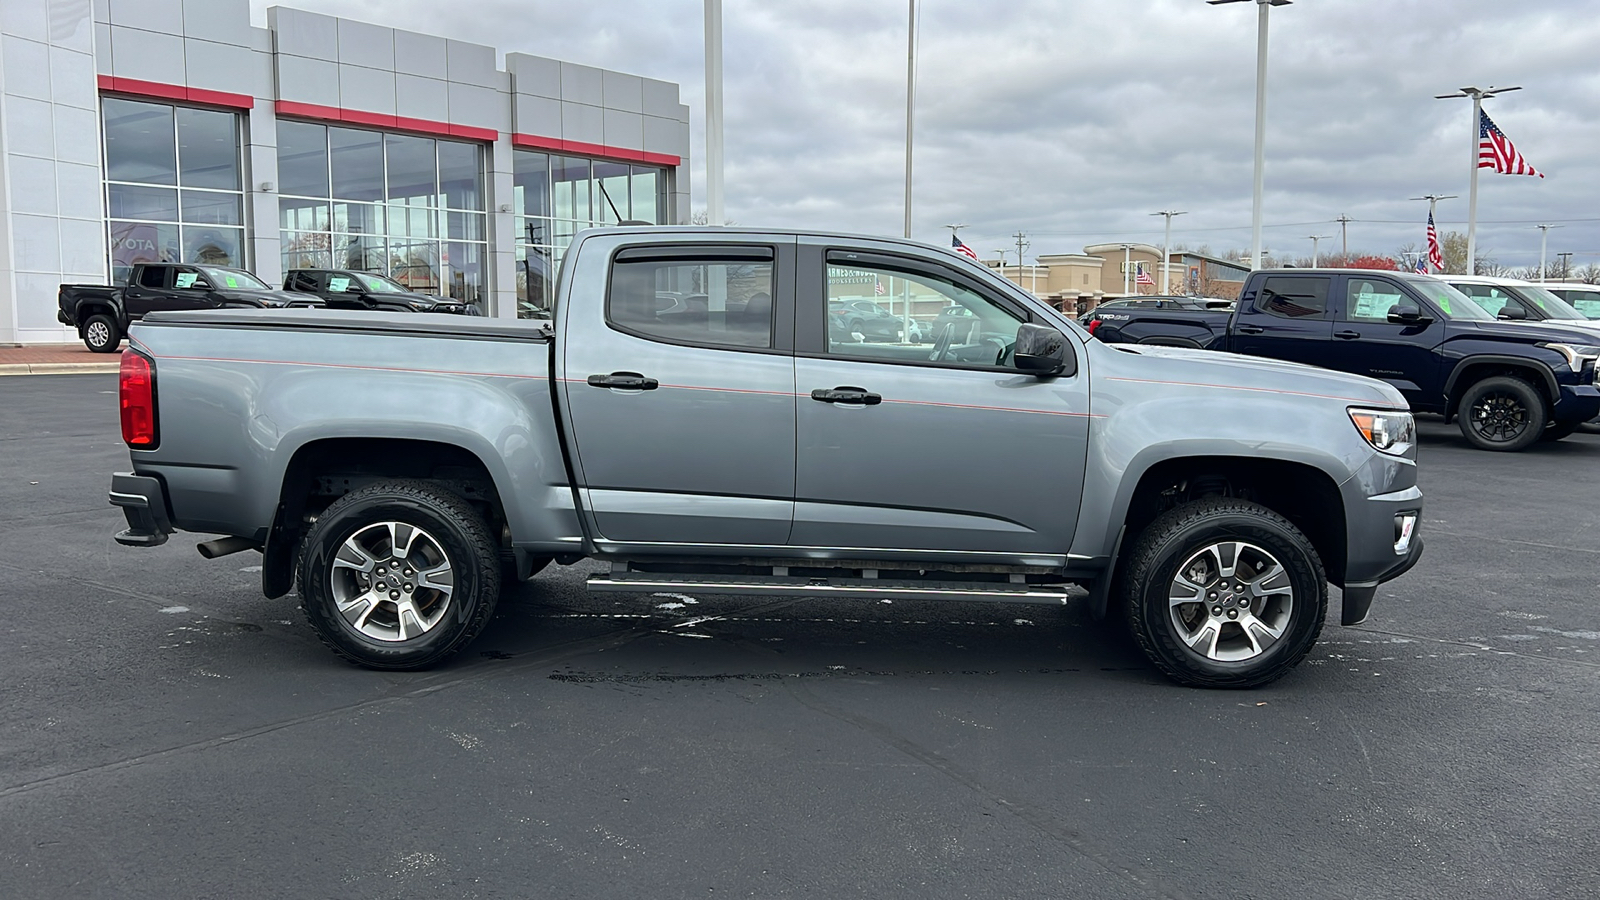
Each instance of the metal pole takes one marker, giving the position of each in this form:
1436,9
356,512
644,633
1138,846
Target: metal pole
1544,236
1566,257
911,100
714,215
1344,221
1126,261
1315,239
1261,134
1166,252
1472,193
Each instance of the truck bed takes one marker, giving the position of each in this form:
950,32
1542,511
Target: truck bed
1205,329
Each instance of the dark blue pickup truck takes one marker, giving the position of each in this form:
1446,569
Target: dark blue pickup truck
1507,384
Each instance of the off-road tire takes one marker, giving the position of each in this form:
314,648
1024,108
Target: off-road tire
101,324
1526,396
1172,539
461,533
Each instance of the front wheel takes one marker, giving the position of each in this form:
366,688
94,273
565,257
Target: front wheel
399,575
1224,593
1502,413
101,334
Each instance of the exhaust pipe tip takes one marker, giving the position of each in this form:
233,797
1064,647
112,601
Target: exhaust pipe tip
224,546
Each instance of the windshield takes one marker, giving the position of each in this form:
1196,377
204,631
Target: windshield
1586,302
1553,306
222,279
378,284
1451,302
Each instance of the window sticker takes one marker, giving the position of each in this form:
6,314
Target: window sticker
338,284
232,280
186,279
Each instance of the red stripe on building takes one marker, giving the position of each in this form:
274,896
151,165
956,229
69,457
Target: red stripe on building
539,142
383,120
155,89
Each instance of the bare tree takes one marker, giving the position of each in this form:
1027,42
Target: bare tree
1589,274
1453,246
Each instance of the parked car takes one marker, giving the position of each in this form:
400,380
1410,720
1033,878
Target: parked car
102,314
1507,384
1585,298
347,289
1208,497
1513,300
868,319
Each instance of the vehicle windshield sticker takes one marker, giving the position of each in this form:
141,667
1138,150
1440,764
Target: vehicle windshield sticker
1444,303
232,280
186,279
339,284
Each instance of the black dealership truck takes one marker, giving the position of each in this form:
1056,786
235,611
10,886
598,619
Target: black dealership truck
348,289
102,313
1507,384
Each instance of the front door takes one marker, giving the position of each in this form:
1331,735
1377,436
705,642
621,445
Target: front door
678,377
1288,319
1402,355
921,449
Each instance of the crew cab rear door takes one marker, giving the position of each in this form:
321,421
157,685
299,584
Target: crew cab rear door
149,290
1403,355
681,414
928,450
1286,317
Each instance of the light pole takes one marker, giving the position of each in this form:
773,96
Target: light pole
911,99
1261,120
1478,95
1003,251
714,112
1316,239
1022,244
1166,247
1127,260
1433,201
1544,236
1566,257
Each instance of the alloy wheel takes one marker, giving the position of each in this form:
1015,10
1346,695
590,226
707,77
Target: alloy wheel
392,581
1231,601
1499,416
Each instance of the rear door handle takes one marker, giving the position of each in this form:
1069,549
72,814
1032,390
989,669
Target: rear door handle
1347,335
847,394
1249,329
629,381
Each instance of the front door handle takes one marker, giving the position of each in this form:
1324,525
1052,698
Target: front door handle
629,381
1347,335
1249,329
847,394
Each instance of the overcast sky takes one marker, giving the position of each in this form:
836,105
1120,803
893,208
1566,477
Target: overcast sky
1073,120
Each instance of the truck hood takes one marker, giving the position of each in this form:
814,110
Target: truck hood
267,298
1565,331
1259,373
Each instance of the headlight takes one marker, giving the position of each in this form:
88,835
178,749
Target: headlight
1388,431
1576,354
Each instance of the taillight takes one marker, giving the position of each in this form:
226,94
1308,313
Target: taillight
136,387
1094,325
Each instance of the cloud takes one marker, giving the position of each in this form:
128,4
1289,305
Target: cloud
1072,122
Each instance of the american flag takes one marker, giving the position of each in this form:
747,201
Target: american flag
1143,277
1422,265
1495,150
1435,253
963,249
877,287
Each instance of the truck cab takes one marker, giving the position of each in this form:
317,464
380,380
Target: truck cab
349,289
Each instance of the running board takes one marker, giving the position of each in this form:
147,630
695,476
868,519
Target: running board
845,588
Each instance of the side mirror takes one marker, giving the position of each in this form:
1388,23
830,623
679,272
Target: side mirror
1512,313
1407,314
1042,350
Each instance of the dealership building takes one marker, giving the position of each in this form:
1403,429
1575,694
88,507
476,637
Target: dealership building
175,130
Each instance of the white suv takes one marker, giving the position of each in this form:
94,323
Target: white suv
1585,298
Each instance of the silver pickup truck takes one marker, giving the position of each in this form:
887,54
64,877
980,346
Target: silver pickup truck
696,419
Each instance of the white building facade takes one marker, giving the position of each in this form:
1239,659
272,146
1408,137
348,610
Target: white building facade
175,130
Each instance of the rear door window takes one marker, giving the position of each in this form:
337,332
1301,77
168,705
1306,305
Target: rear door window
154,276
716,301
1370,299
1294,297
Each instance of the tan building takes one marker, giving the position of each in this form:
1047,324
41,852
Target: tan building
1077,282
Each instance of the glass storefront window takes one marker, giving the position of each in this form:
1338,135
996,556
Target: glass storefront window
558,196
412,208
173,182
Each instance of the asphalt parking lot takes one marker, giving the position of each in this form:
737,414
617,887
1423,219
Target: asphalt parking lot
166,732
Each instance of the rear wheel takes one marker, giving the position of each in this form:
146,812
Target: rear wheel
399,575
101,334
1502,413
1224,593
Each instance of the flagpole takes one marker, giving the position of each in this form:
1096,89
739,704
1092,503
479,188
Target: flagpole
1477,95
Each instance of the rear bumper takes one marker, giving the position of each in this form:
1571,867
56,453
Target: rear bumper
144,503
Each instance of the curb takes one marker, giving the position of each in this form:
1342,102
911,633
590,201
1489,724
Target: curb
59,368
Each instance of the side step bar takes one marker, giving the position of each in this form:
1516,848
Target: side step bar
847,588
